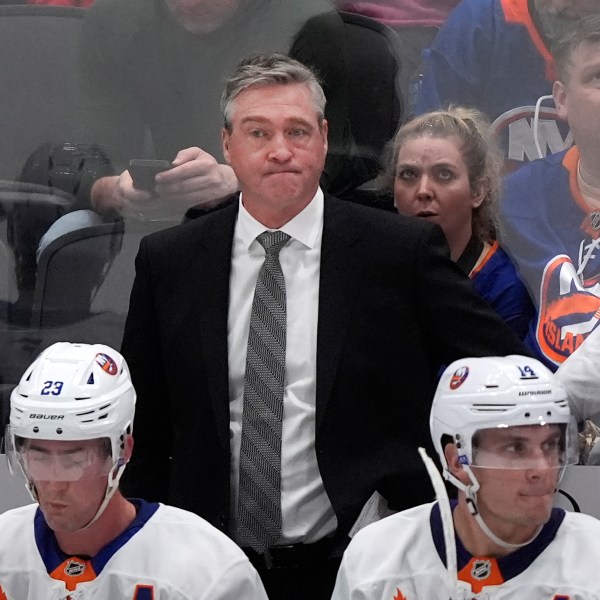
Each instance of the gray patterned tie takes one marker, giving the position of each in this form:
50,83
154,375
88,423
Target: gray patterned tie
259,504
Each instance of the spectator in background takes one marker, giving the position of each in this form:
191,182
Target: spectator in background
158,66
445,169
550,210
401,14
494,55
416,23
76,3
66,170
370,305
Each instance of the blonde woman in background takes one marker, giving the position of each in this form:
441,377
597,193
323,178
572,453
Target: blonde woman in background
445,168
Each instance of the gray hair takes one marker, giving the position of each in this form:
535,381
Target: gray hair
581,31
270,69
479,151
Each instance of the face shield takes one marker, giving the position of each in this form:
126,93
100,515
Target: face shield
65,461
525,447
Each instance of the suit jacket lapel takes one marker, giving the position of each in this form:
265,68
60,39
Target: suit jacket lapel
340,275
341,270
217,236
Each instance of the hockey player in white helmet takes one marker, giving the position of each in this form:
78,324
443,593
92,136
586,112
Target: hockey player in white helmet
504,435
70,436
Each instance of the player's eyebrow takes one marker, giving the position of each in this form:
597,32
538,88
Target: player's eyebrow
508,436
44,450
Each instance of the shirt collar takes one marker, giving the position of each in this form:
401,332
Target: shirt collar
304,227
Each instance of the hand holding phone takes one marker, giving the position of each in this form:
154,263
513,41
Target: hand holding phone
143,171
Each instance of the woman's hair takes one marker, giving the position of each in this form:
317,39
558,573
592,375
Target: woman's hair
479,150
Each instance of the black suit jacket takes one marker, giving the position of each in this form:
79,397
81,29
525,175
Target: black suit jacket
393,308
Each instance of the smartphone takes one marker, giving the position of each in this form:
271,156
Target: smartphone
142,172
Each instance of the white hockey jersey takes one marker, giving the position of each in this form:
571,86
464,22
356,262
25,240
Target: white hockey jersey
402,557
165,554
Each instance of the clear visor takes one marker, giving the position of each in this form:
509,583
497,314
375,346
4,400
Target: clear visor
544,446
49,460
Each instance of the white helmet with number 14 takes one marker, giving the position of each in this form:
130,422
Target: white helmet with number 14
476,395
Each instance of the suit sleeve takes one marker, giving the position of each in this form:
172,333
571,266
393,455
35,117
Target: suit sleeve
148,476
457,322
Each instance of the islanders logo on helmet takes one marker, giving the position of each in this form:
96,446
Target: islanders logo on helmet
107,363
458,377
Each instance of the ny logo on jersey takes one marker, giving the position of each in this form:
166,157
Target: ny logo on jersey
517,131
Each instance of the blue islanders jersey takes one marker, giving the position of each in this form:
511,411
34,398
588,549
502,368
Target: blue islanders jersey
553,238
496,280
489,55
165,554
402,557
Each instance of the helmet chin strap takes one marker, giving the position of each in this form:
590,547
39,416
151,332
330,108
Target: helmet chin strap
471,494
113,485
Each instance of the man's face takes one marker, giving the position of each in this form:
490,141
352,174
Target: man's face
578,98
276,148
203,16
522,466
70,478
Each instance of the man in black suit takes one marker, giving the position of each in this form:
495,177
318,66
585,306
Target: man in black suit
374,306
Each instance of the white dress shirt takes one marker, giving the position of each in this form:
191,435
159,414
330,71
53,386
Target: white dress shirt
307,514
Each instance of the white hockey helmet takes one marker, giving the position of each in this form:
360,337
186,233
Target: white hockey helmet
73,392
495,392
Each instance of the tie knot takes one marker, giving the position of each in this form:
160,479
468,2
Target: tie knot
272,241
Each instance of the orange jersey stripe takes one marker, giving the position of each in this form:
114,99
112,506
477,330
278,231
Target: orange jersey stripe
517,11
491,251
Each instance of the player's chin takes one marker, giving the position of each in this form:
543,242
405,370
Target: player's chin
60,524
538,506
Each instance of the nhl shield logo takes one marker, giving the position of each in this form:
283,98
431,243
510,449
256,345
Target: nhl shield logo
481,569
595,220
74,568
